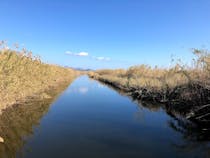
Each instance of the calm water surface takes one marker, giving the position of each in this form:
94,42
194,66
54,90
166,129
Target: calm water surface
90,120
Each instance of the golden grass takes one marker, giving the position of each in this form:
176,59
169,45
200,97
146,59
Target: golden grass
163,82
23,75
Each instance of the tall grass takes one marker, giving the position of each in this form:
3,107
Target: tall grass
23,75
180,82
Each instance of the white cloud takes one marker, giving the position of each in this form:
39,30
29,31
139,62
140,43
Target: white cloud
85,54
69,53
82,54
77,54
102,58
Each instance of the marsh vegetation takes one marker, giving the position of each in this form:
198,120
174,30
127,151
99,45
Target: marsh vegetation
24,76
181,87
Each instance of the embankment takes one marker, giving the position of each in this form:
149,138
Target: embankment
189,101
24,77
182,90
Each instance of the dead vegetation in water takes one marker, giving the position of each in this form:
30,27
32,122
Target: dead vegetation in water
23,75
177,84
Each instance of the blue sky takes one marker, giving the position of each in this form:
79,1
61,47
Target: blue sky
107,33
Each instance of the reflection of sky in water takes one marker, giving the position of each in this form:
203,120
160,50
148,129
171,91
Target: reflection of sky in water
102,123
100,85
84,88
81,90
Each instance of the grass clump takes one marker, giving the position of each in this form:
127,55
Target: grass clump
23,75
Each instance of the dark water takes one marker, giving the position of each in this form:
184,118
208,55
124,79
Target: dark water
91,120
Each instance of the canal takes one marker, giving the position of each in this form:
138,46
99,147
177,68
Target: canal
91,120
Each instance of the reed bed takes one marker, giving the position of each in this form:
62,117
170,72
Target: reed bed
181,86
24,76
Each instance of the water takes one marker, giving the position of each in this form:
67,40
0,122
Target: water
92,120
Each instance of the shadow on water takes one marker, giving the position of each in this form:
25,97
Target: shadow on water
146,104
195,136
17,123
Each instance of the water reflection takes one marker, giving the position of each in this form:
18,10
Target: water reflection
195,137
189,130
17,124
154,107
98,124
80,90
83,90
100,85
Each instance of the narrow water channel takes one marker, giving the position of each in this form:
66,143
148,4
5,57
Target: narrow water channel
90,120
